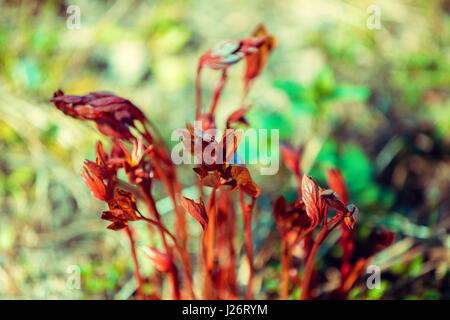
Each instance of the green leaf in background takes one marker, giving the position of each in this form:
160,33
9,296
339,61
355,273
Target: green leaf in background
327,158
19,177
291,88
271,120
45,40
328,154
173,39
304,107
432,295
8,134
27,72
354,293
249,151
302,98
370,194
375,294
325,83
416,266
350,92
356,168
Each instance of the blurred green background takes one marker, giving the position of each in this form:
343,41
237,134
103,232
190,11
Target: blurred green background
374,103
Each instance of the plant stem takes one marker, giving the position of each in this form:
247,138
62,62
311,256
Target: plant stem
173,276
211,230
217,91
168,182
245,92
137,273
198,93
152,208
247,217
180,250
209,245
285,265
324,232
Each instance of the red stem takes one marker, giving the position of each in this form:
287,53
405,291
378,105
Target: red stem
247,217
324,232
245,92
137,273
173,276
180,250
198,93
152,208
285,265
231,235
211,230
217,91
209,244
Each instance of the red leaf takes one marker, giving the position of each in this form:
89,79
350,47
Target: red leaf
112,115
230,143
126,202
352,216
244,181
384,238
258,60
279,209
96,185
113,129
291,158
102,156
118,225
161,261
237,116
333,200
222,55
336,182
196,210
95,169
310,197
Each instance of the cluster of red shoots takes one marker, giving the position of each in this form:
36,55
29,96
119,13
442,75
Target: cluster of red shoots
148,163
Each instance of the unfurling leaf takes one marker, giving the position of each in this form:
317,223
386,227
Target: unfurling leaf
96,185
210,180
279,206
230,143
336,182
352,216
333,200
161,261
237,116
126,203
100,172
279,209
291,158
310,197
113,115
244,181
118,225
229,52
196,210
102,156
258,60
292,218
117,217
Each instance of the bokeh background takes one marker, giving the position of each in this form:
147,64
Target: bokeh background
374,103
